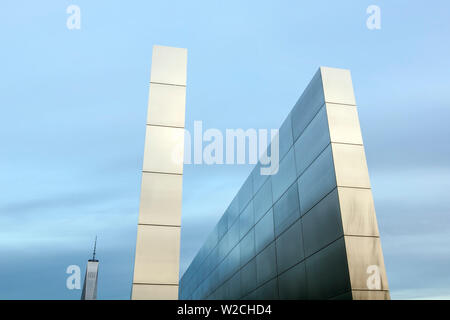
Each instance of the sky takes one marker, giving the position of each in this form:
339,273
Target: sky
73,109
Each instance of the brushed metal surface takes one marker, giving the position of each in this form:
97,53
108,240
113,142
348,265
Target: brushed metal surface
343,124
337,86
154,292
307,105
284,178
161,198
317,181
327,272
292,283
166,105
169,65
362,253
358,212
290,247
157,255
164,150
312,142
266,266
264,231
350,165
322,224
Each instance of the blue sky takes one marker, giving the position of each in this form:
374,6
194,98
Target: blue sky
73,111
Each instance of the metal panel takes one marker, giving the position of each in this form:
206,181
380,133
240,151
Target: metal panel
322,224
285,137
161,198
166,105
343,124
234,234
268,291
247,247
258,178
358,212
248,277
246,220
345,296
292,283
371,295
266,266
290,247
233,212
365,261
157,255
235,286
264,231
307,106
235,259
337,86
317,181
327,272
164,150
351,166
245,194
222,227
286,210
169,65
263,200
224,247
284,178
156,292
312,142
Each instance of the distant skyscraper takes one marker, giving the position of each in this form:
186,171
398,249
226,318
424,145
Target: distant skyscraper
90,279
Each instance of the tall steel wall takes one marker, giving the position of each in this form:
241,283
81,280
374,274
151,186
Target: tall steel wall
309,231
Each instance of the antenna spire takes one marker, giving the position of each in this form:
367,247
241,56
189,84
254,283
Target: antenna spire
95,247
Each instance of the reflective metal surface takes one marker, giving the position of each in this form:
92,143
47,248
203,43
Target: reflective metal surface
161,145
290,247
169,65
264,231
263,200
351,166
337,86
343,124
166,105
317,181
327,272
292,283
157,255
284,178
312,142
161,199
266,266
286,210
154,292
156,267
322,224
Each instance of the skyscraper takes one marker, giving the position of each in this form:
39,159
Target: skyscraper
91,277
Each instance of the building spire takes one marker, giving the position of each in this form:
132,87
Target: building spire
95,247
